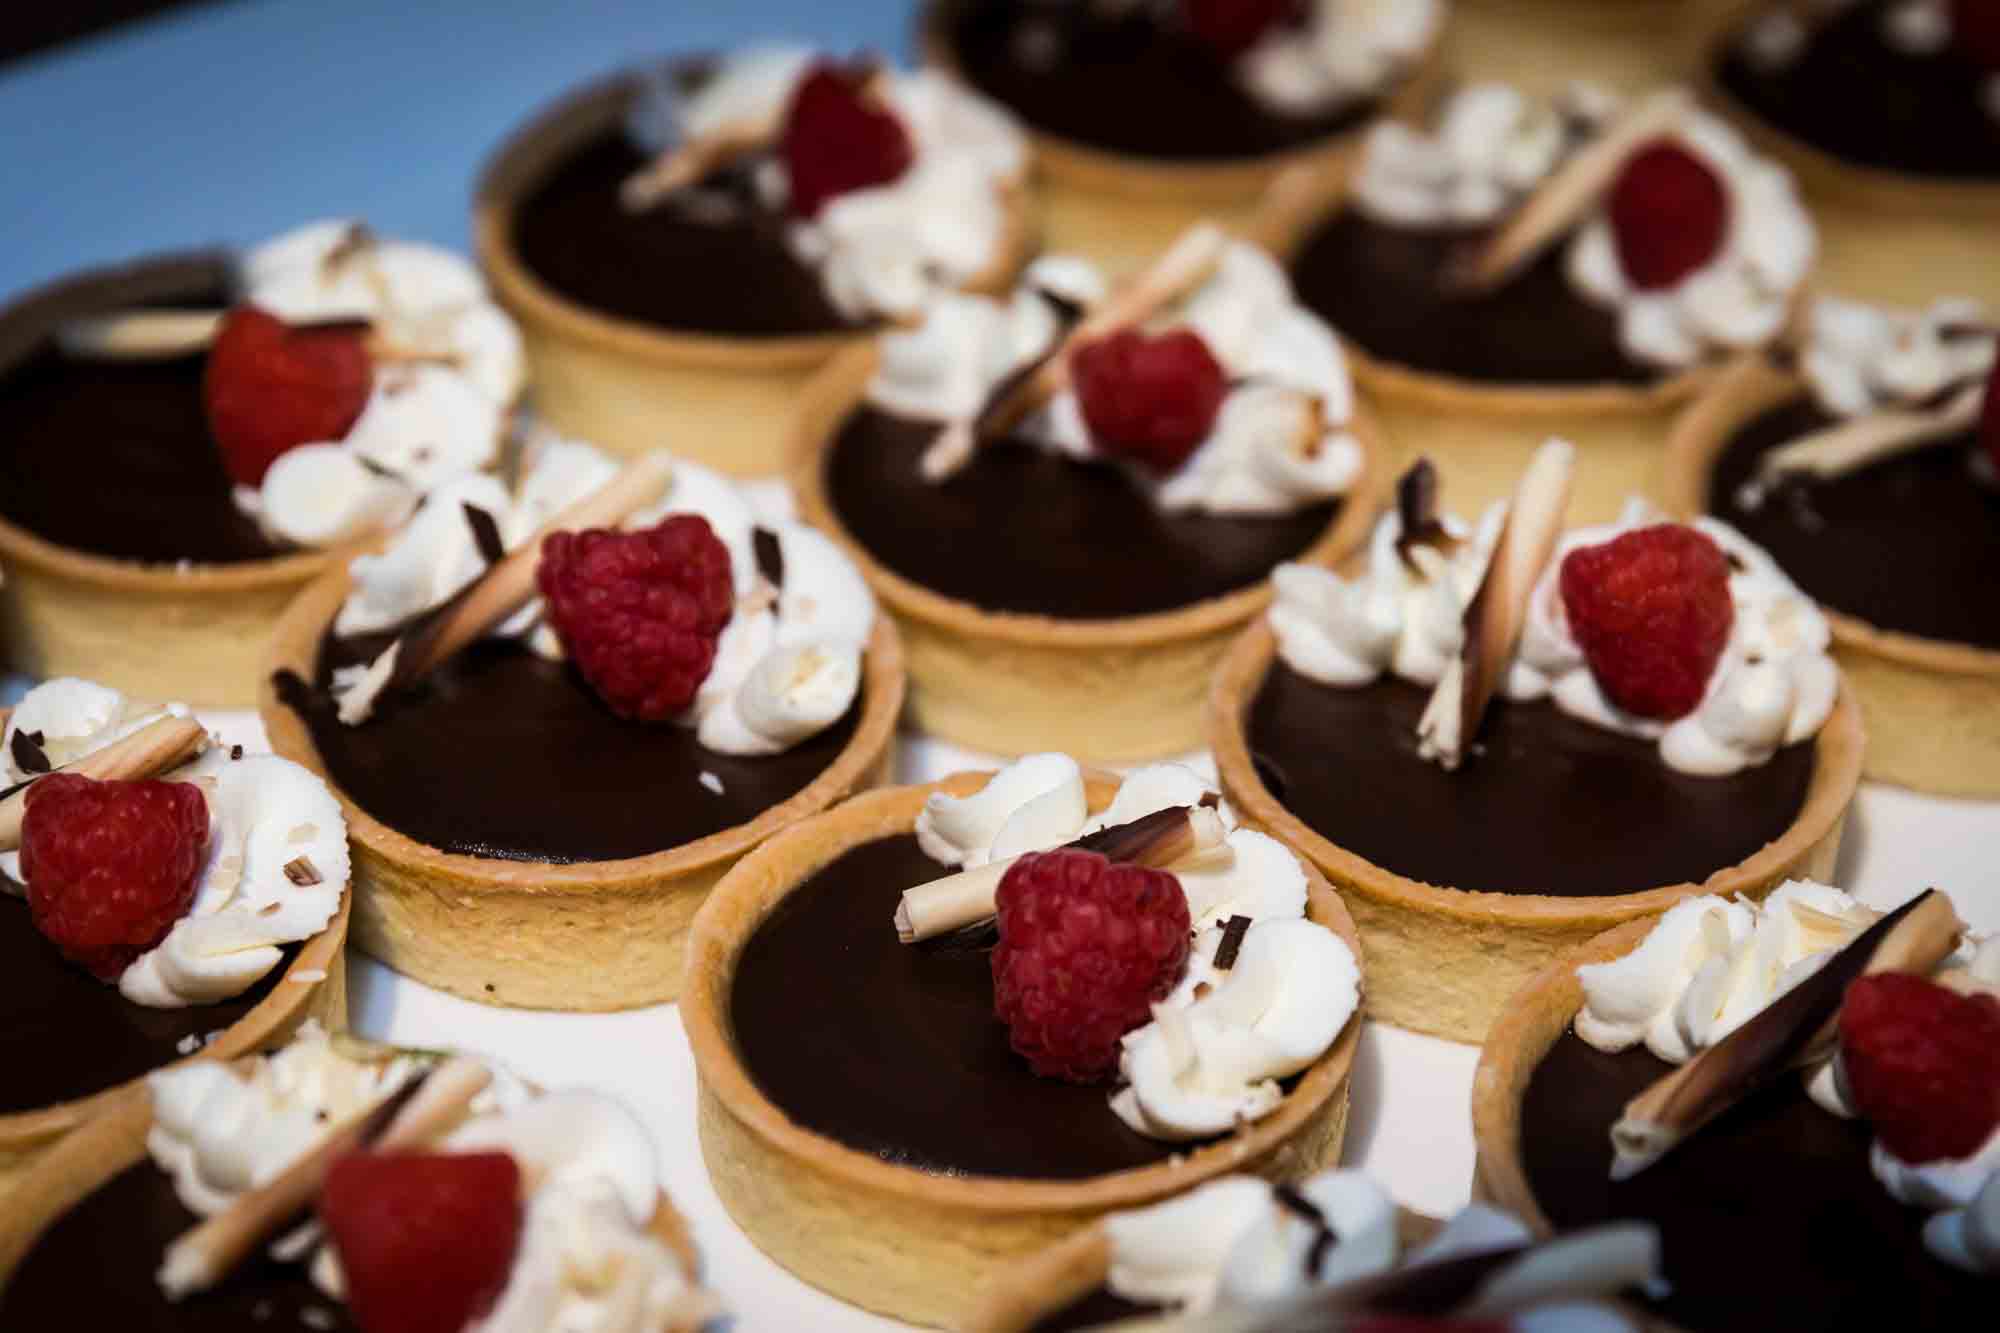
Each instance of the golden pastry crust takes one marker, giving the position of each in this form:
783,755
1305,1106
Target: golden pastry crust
895,1239
729,402
1120,209
1443,960
1932,707
1106,691
592,935
314,985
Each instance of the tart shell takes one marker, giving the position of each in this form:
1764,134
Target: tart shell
1106,691
1443,960
895,1239
619,383
590,935
1931,707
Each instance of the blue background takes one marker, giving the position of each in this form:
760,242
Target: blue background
228,123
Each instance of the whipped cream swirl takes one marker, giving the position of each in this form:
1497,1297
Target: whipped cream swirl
1344,52
1212,1056
277,857
1860,358
1774,685
888,249
787,666
1282,440
427,420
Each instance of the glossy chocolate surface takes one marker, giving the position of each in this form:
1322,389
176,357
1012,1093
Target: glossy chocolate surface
64,1034
1547,803
893,1049
1910,543
1024,530
666,266
1855,95
1770,1217
1125,83
1092,1310
114,458
502,753
1378,285
93,1269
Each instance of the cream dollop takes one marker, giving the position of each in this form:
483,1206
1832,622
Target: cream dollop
1492,145
1345,51
1860,358
1740,298
891,248
1282,439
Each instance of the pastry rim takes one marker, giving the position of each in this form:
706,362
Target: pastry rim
715,944
536,146
1837,751
295,647
838,390
1699,438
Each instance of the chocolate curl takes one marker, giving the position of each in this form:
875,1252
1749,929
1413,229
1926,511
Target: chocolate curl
442,633
1798,1028
1567,193
1179,271
163,335
412,1115
1849,446
1177,833
1494,617
1417,514
153,749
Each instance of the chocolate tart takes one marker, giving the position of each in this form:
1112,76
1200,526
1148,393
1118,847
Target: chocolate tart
1443,960
1122,207
1776,1186
1937,227
80,1051
83,1233
1105,687
619,380
902,1230
1931,705
543,924
125,560
1627,45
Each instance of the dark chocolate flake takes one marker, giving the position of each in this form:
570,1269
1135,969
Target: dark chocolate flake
770,556
301,871
235,752
29,756
485,533
1233,931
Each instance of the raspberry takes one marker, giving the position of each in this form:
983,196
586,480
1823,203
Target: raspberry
1669,213
1923,1064
1086,947
836,140
1231,27
1989,419
640,612
1651,611
1152,400
270,388
426,1240
110,866
1975,29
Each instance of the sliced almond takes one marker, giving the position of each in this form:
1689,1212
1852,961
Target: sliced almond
153,749
1568,192
1498,610
1848,446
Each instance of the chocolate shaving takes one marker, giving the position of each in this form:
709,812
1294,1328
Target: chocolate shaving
1417,509
29,756
1233,932
353,242
301,871
1297,1204
770,555
485,533
1210,800
1122,842
375,469
992,417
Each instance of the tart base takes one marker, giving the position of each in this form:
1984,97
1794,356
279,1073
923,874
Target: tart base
1106,691
893,1239
593,935
1931,708
1443,961
728,403
1626,45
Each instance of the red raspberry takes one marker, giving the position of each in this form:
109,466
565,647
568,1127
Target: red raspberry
640,612
1086,947
1152,400
1989,419
836,140
270,388
1923,1064
1231,27
1669,213
1651,611
1975,28
426,1240
111,866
